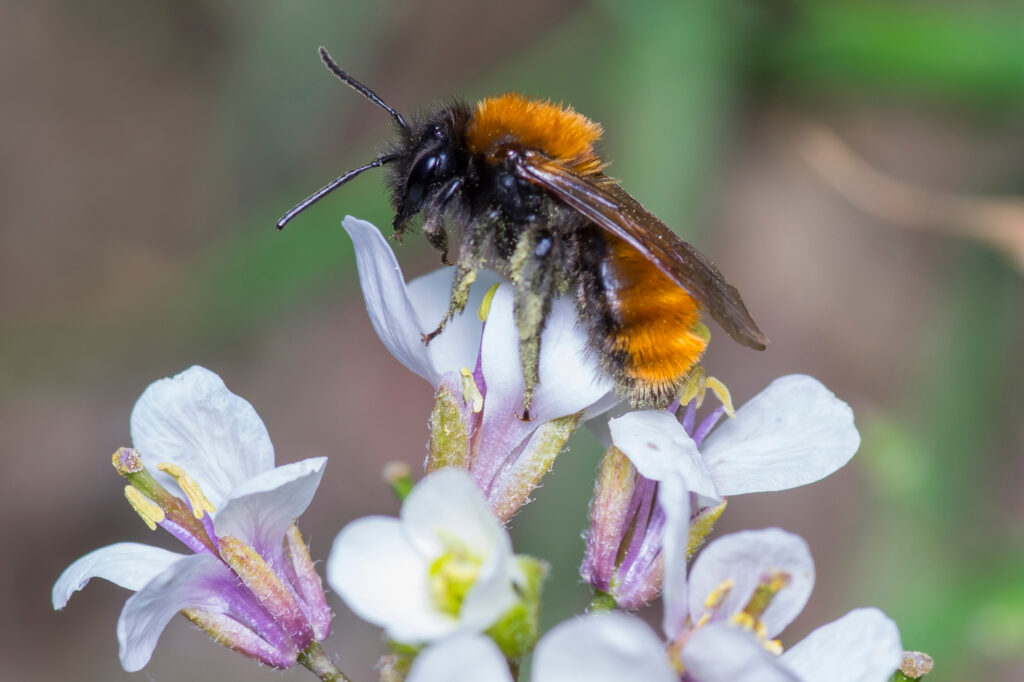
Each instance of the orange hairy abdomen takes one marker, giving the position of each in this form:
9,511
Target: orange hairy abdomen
658,322
560,133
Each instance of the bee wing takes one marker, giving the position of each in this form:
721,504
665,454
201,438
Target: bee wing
613,209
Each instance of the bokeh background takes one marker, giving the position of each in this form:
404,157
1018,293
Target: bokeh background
855,168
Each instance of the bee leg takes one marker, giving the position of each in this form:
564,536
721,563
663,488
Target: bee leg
534,279
465,275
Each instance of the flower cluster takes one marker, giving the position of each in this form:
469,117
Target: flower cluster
442,580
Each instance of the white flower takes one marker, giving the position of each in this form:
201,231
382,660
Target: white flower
445,566
720,625
475,370
204,471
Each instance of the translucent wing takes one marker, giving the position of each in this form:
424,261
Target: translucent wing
614,210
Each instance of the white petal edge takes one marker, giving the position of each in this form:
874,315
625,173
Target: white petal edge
194,421
448,505
384,580
128,564
606,648
745,557
659,446
183,584
722,653
462,658
792,433
674,499
260,510
862,646
391,312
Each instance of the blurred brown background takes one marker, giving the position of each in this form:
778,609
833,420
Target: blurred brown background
855,168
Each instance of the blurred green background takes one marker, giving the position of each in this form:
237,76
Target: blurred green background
855,168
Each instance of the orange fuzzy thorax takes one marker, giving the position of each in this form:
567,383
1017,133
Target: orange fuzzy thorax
658,322
561,134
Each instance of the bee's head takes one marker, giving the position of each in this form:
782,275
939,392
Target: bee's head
426,164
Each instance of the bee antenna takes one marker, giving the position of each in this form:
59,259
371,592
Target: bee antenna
330,187
359,87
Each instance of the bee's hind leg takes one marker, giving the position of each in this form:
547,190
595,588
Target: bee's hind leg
535,278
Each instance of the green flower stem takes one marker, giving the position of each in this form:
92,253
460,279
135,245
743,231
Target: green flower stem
320,664
602,602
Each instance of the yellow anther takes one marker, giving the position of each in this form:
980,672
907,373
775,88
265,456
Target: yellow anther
702,621
485,305
150,513
470,391
744,620
200,505
774,646
719,594
722,393
693,385
701,330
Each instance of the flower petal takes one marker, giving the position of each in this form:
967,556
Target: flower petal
570,378
794,432
384,580
658,446
259,511
447,505
463,658
194,421
391,312
128,564
183,584
606,648
459,344
746,558
862,646
722,653
674,499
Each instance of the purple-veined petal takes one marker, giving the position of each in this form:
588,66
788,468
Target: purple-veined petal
447,506
658,446
260,510
605,648
746,558
722,653
194,421
128,564
384,580
391,312
458,345
184,584
794,432
462,658
674,499
862,646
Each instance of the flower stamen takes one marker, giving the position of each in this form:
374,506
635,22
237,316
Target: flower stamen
470,391
196,499
485,305
150,512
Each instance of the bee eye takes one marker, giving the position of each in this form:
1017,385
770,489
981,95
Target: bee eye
420,176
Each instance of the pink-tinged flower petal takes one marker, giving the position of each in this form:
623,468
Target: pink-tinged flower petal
447,506
674,499
260,510
384,580
128,564
391,312
463,658
606,648
194,421
570,379
458,345
659,446
184,584
747,558
792,433
722,653
862,646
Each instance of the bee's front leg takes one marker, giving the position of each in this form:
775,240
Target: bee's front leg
535,280
465,275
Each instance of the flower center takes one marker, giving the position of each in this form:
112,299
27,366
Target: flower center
750,617
189,521
452,575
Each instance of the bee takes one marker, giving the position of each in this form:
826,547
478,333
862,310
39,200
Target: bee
516,185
